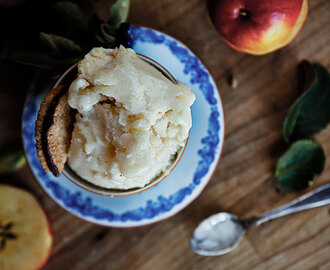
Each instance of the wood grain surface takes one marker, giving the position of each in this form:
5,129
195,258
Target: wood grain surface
243,182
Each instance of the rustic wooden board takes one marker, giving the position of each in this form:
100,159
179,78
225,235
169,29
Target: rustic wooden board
243,182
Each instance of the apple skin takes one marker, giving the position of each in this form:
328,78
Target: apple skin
51,234
257,26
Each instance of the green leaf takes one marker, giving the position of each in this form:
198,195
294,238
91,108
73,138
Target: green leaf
291,120
311,112
96,35
297,167
72,19
110,39
34,58
11,159
58,45
307,76
119,12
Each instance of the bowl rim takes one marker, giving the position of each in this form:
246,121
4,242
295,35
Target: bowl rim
108,192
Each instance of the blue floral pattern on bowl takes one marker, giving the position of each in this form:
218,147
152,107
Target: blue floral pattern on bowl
191,174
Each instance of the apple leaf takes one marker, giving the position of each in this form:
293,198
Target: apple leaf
119,12
307,76
106,30
35,58
311,112
103,33
96,35
58,45
70,19
297,167
11,159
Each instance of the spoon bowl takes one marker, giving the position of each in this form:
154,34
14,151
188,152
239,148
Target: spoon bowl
217,235
222,232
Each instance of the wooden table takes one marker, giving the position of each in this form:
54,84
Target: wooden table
243,183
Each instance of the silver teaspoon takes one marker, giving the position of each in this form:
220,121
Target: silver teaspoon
222,232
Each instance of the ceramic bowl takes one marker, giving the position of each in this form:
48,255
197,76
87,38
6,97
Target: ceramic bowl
68,77
189,178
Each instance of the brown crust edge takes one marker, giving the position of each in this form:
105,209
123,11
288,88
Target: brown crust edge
45,121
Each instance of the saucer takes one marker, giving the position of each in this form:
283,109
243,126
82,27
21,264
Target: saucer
189,177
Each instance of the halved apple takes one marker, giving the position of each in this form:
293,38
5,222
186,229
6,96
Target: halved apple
25,236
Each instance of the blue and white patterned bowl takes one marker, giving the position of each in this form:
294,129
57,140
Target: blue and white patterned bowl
189,177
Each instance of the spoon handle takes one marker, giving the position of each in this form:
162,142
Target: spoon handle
316,198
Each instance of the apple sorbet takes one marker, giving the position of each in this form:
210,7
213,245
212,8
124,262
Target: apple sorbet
131,119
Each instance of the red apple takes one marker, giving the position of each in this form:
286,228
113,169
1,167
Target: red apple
25,235
257,26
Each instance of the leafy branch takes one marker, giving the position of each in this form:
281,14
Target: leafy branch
76,32
308,116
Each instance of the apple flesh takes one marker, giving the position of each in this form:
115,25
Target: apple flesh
25,236
257,26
